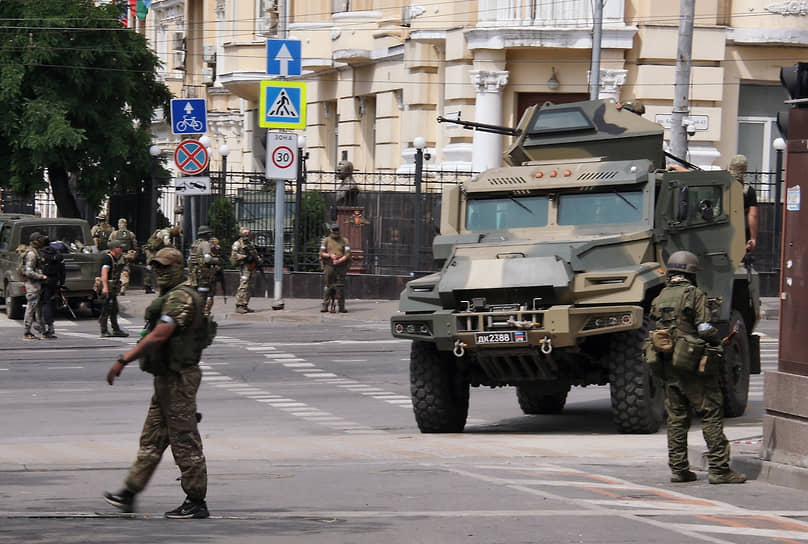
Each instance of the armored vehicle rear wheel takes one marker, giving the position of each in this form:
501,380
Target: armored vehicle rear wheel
735,372
637,397
14,307
533,402
440,392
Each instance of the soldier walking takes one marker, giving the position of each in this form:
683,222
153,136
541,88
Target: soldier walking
165,237
129,248
176,334
245,256
101,232
690,376
335,256
110,284
32,272
202,266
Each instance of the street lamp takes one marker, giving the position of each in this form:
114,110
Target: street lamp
419,143
155,153
779,145
224,151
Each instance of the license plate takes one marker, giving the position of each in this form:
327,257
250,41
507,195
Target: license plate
483,338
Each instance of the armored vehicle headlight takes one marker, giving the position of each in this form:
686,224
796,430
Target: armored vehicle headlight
399,328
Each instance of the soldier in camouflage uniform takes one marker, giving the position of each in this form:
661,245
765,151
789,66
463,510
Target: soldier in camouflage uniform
111,266
101,232
335,256
165,237
170,350
681,308
32,271
202,266
737,167
244,255
129,247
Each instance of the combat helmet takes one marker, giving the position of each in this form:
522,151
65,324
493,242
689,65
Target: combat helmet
204,229
683,262
634,106
738,165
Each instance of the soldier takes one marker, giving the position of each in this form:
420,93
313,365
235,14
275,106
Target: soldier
53,267
175,337
335,256
111,266
31,270
737,167
202,265
691,384
101,232
165,237
129,247
244,255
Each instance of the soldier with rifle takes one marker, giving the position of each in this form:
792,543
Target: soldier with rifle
218,275
245,255
110,284
129,246
202,265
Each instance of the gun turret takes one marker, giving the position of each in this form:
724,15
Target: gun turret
471,125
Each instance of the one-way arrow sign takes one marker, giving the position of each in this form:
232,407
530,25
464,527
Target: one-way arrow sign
283,58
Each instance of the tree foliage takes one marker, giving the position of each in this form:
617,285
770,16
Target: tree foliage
78,92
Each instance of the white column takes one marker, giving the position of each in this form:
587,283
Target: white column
611,80
487,148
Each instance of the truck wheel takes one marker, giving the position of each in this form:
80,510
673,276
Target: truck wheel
14,307
637,397
735,372
533,403
440,392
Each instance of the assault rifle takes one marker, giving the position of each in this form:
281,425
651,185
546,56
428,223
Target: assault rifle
62,303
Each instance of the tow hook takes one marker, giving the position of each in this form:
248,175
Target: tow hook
546,345
459,348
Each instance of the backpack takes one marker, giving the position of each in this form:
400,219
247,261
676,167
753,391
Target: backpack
208,326
52,262
22,251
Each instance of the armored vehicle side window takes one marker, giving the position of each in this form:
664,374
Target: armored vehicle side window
600,208
5,237
563,120
506,213
64,233
704,203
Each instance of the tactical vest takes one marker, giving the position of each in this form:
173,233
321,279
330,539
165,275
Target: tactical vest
337,247
202,273
184,347
668,309
114,277
103,238
125,238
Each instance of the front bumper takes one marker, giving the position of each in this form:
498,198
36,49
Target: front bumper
560,326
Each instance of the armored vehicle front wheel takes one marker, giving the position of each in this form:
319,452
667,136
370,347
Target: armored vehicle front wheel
440,391
14,307
533,401
735,372
637,397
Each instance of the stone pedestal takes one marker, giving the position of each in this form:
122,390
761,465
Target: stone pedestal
352,223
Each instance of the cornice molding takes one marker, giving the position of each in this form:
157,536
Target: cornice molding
794,7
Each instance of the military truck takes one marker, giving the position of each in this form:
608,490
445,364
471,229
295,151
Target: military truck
549,266
82,263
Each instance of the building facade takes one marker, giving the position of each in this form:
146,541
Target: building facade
378,73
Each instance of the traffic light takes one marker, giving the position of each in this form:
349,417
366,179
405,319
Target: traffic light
795,81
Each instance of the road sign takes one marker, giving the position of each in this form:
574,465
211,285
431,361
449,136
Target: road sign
281,155
283,57
283,104
191,157
189,116
192,185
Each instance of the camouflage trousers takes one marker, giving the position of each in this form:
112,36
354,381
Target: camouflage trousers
171,421
245,287
206,294
334,285
702,395
124,281
33,307
109,312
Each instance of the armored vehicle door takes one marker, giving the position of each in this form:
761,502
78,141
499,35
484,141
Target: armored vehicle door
698,212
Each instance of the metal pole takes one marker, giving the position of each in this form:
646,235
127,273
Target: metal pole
280,206
223,188
778,208
298,208
594,70
153,198
419,168
681,107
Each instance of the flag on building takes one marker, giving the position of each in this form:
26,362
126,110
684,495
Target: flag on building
143,9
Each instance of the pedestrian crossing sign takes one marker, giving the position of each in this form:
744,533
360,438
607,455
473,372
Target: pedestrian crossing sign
282,104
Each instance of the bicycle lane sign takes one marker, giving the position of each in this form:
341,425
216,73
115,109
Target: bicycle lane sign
191,157
189,116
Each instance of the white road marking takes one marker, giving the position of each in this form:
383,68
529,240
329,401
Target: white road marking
298,365
349,360
321,375
280,355
64,367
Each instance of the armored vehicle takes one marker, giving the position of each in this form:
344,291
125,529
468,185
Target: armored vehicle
549,265
82,262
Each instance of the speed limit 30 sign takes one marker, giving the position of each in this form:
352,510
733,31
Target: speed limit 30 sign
281,155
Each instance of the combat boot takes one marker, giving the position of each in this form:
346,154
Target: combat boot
148,290
189,509
119,333
728,478
683,476
123,500
324,308
105,333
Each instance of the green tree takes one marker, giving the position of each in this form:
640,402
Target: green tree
222,221
78,93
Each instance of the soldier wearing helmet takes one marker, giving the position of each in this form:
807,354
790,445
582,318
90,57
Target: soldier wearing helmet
202,266
129,248
244,254
101,232
335,257
737,167
161,238
31,270
691,382
176,333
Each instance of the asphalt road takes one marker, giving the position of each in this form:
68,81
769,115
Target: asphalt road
309,434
